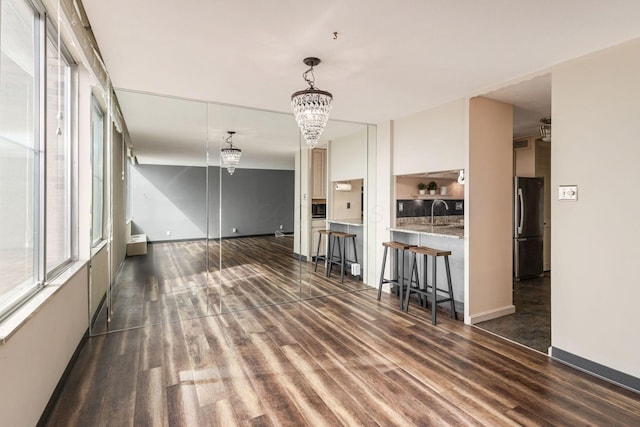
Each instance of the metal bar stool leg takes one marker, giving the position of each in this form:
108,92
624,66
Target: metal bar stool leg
342,258
452,302
315,268
434,286
384,264
425,273
332,248
400,280
412,269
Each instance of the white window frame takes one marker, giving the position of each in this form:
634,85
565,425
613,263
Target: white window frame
43,30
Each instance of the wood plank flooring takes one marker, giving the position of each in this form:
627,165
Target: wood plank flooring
171,282
345,359
342,359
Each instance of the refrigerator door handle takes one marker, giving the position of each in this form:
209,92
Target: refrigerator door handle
521,200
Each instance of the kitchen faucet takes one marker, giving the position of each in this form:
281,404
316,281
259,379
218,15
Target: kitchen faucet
433,205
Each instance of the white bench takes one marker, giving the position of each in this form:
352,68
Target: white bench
137,245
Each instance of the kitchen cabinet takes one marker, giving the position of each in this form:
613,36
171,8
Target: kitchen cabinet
318,224
319,174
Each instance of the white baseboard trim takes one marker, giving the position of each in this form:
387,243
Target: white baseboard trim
491,314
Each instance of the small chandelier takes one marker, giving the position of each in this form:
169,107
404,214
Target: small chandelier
545,129
311,106
230,155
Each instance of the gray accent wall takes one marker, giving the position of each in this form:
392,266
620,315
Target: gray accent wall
169,202
254,201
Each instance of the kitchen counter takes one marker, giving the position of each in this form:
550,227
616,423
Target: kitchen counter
453,231
346,221
443,237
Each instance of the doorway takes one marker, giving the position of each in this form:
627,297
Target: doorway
530,325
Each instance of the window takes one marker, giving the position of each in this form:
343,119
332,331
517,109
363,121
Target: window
58,154
19,147
97,152
35,163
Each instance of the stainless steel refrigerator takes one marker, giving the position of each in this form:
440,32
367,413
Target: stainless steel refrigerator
528,227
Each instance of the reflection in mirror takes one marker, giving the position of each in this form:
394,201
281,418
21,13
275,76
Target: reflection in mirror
163,278
334,178
219,242
253,230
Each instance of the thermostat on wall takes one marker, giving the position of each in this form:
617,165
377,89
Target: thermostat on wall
568,192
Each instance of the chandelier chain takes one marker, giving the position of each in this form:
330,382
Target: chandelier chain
311,82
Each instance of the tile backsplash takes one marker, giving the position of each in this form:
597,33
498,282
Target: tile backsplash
407,208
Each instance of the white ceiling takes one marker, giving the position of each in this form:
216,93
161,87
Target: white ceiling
390,58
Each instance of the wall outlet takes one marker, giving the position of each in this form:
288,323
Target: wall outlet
168,233
401,206
235,230
281,227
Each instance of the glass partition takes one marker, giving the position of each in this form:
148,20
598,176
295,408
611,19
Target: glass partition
253,230
164,276
218,241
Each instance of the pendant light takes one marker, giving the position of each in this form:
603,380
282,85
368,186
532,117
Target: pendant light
545,129
230,155
311,106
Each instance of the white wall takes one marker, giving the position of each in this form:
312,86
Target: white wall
34,358
432,140
595,145
488,217
347,157
380,212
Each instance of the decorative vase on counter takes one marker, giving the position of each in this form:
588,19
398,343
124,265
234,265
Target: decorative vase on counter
421,192
432,192
443,191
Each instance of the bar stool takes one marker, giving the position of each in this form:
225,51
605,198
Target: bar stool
397,280
323,257
434,254
338,237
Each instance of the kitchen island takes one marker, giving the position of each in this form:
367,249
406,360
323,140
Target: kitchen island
448,237
353,226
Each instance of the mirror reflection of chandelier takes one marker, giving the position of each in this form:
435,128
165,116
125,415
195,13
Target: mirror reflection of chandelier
230,155
545,129
311,106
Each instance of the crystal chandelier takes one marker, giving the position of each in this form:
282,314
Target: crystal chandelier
230,155
545,129
311,106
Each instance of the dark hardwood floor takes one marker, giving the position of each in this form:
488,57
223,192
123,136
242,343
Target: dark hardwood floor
171,282
341,359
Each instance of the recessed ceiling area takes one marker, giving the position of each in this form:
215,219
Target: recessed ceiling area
531,101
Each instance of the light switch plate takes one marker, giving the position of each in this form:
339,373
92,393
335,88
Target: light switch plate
568,192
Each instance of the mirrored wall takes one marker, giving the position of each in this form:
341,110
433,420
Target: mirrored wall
221,238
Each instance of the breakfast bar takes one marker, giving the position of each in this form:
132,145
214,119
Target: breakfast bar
448,237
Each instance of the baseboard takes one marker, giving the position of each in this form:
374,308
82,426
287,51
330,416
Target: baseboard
491,314
614,376
46,413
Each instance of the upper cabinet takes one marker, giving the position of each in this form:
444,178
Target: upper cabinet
319,173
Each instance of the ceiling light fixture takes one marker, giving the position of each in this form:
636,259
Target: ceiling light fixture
545,129
230,155
311,106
